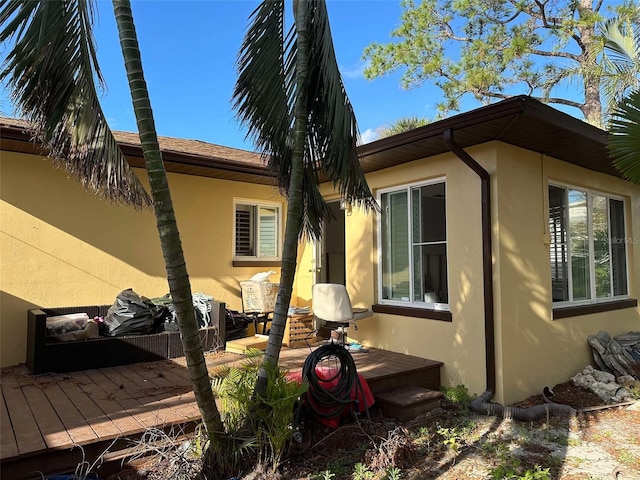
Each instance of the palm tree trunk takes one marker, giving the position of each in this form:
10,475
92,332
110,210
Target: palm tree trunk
294,205
178,278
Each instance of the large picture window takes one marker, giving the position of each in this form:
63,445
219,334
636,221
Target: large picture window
413,242
257,231
588,250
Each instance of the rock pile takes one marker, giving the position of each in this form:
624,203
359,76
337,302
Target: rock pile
609,388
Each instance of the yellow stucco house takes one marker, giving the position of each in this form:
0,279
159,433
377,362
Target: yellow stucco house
504,238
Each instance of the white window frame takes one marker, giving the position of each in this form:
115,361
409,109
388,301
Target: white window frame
592,274
410,303
257,204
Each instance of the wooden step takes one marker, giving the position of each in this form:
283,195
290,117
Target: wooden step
408,402
394,373
241,345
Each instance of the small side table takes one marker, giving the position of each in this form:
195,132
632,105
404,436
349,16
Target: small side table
299,331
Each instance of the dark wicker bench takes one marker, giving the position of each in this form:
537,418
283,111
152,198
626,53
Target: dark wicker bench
50,356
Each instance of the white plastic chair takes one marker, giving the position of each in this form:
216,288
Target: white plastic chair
332,308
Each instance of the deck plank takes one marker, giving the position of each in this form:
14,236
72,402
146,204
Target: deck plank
126,423
128,405
159,414
178,380
27,434
101,424
124,401
53,431
8,444
72,419
173,394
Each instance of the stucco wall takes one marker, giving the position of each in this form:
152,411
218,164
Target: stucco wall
531,349
459,344
538,350
62,246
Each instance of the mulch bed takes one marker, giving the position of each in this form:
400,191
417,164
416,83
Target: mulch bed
568,394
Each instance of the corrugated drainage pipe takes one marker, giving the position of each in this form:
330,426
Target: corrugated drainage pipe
482,404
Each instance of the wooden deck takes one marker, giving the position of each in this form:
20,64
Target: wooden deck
49,423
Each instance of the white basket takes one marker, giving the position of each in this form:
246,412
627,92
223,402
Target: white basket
259,297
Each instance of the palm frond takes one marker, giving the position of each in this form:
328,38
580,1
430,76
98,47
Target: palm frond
620,60
259,95
50,71
264,97
621,40
624,141
332,131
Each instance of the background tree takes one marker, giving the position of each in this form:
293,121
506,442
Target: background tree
50,71
290,95
403,124
493,49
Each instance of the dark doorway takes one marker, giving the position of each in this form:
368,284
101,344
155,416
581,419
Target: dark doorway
330,256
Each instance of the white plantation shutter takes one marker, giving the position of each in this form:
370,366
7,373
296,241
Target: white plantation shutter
244,240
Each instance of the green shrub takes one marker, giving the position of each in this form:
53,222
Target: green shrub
259,426
458,395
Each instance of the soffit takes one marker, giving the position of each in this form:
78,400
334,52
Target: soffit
519,121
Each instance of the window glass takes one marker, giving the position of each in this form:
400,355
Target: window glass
578,227
618,247
414,245
559,248
268,231
601,255
395,246
244,230
595,253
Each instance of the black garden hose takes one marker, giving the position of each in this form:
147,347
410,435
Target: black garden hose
330,401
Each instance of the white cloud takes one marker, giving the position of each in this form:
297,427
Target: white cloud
353,72
369,135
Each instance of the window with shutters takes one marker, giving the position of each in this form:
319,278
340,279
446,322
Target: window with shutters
257,230
413,243
587,246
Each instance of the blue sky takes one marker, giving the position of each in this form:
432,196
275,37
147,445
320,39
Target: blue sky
189,50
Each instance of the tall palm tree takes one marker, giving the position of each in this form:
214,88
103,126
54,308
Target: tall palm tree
50,71
290,95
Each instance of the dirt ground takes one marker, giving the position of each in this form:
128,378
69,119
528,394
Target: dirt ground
452,443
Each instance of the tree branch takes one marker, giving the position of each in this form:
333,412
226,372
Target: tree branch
547,53
561,101
503,96
598,6
518,11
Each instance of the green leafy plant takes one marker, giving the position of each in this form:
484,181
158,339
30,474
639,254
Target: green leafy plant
256,425
361,472
628,458
451,437
458,395
422,439
511,469
324,475
392,473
